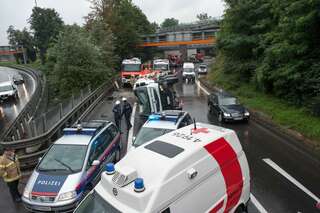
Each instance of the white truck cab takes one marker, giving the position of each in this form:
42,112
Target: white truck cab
193,169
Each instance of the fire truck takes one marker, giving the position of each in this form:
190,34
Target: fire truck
131,69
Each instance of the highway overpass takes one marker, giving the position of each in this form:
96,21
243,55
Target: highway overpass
195,37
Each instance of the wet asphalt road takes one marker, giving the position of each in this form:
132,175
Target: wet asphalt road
270,188
10,108
273,191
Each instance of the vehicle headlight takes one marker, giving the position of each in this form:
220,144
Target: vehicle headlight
26,193
247,113
67,195
226,114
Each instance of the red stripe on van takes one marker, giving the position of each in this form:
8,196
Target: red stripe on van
227,159
217,207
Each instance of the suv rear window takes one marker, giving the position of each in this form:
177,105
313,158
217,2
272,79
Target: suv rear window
165,149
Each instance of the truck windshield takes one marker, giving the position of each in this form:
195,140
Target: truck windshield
161,67
5,88
94,203
63,157
189,70
131,67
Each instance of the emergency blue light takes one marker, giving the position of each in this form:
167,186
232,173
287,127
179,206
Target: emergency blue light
139,185
110,169
154,117
73,131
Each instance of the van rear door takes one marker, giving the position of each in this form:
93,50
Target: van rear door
149,99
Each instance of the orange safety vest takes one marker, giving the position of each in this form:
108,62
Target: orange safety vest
10,168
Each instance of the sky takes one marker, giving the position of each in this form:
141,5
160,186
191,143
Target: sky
17,12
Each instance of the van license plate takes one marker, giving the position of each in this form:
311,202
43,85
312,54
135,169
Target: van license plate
42,208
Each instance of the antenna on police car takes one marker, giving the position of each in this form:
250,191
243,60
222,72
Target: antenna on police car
194,123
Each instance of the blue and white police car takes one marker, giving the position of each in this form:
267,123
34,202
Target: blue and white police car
72,166
159,124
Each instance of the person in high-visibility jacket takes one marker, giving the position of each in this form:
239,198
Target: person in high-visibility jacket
10,171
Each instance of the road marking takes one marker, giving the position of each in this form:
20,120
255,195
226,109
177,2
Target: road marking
290,178
130,135
203,89
257,204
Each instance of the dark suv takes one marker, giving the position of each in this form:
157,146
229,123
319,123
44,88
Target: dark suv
227,108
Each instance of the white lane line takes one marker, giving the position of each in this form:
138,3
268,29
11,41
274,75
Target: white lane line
290,178
203,89
257,204
130,134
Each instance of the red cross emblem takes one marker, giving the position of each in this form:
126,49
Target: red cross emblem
200,130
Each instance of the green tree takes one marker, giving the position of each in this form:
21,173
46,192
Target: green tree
170,22
46,25
22,38
75,62
126,22
274,45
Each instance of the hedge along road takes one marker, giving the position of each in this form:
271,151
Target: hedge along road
10,108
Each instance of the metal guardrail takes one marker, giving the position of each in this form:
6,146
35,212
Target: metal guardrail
18,128
30,150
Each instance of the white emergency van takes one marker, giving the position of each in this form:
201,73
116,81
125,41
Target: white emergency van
188,71
194,169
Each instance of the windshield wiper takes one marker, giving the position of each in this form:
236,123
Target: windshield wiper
65,165
50,170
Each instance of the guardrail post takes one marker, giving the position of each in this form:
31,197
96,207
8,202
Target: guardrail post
81,94
72,101
44,122
61,110
35,131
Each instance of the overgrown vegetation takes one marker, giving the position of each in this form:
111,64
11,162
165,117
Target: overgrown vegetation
74,57
279,110
273,45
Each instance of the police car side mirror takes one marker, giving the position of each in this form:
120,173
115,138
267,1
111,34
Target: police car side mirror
95,163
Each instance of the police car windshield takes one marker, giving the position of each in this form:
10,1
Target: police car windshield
5,88
131,67
66,158
146,134
94,203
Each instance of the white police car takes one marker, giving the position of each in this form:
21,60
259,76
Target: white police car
71,167
160,124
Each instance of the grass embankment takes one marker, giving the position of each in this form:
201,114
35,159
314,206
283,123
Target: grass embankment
280,111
